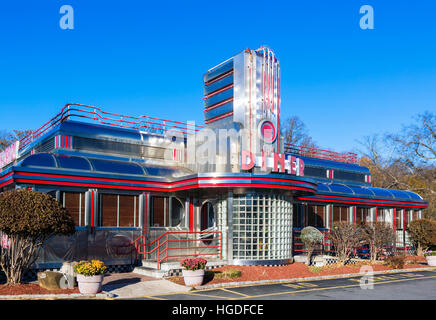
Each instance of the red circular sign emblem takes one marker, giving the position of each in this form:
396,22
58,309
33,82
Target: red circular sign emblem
268,131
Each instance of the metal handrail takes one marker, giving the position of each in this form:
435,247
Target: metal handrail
348,157
163,247
108,118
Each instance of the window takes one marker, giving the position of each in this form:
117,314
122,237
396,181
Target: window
296,216
159,215
398,219
74,202
128,210
408,217
164,215
316,216
349,176
363,215
109,210
176,212
314,172
340,214
207,216
119,210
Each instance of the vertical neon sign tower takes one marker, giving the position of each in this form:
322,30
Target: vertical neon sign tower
243,92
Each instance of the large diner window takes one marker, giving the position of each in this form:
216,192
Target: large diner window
363,215
340,213
119,210
316,216
159,216
399,223
177,211
74,202
297,216
164,215
408,217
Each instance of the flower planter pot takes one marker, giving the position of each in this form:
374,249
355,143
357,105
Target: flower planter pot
431,260
90,284
193,278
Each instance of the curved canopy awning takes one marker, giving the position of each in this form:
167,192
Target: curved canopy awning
363,191
76,163
364,195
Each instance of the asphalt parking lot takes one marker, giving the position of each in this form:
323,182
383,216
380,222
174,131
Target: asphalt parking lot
393,286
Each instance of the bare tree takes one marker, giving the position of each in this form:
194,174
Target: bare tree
345,238
295,132
6,138
405,161
378,235
417,141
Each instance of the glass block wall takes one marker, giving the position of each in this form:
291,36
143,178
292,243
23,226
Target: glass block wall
262,227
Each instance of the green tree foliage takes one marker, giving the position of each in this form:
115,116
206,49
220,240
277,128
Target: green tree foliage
28,218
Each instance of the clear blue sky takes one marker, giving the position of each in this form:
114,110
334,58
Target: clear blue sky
148,57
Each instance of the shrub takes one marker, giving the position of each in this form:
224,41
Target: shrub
193,263
378,235
311,237
422,233
395,262
345,238
92,268
430,253
315,269
27,219
229,273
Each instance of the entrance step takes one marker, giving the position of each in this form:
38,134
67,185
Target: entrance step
150,272
149,268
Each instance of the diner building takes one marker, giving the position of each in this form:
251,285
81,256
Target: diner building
145,189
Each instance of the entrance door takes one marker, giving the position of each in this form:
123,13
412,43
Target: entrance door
208,219
208,222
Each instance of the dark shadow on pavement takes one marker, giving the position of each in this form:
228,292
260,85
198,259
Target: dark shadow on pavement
120,283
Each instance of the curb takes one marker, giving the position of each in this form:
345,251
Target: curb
54,296
230,284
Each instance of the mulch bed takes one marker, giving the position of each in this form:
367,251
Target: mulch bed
32,288
295,270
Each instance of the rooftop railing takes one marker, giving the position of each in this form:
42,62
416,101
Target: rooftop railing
96,115
348,157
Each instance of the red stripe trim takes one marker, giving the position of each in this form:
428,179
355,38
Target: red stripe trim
378,202
193,186
221,117
48,175
218,91
6,183
356,198
6,175
92,208
219,104
191,215
219,78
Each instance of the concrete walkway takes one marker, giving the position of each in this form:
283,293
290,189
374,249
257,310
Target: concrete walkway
132,285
